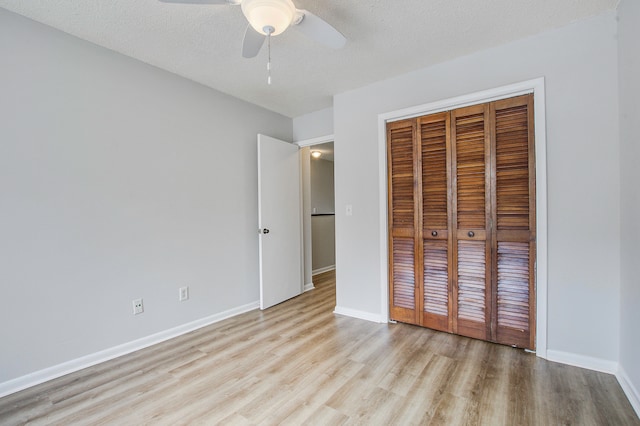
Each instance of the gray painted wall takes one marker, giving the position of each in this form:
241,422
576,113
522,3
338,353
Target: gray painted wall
323,229
322,186
579,63
313,125
629,68
117,181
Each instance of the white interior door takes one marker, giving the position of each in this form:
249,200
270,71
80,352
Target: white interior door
279,221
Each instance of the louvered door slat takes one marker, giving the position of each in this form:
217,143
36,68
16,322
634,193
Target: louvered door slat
512,164
436,285
403,273
436,277
471,288
513,293
470,171
434,173
402,204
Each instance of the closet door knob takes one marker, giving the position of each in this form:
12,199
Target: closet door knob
434,233
471,234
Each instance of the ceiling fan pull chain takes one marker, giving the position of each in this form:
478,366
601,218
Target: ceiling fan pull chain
268,30
269,59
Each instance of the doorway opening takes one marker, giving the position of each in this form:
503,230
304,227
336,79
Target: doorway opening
318,195
323,224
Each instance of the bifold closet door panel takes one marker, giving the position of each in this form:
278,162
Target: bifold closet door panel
403,221
514,218
434,137
470,152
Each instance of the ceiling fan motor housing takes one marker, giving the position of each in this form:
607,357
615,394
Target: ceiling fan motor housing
264,15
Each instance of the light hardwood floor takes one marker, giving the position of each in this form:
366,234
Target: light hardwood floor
298,363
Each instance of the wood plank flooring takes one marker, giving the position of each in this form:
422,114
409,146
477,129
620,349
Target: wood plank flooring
298,363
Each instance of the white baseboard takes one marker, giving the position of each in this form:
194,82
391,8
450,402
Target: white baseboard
583,361
358,314
627,386
322,270
307,287
77,364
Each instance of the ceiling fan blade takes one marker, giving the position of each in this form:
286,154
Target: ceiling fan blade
319,30
252,42
200,1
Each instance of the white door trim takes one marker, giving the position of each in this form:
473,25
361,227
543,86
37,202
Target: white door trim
315,141
535,86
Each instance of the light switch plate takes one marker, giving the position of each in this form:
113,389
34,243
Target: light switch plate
183,294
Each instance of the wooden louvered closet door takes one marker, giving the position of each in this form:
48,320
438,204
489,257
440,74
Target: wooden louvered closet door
462,221
401,151
471,214
435,168
514,222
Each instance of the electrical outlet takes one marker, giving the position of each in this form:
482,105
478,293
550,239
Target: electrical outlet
138,308
183,293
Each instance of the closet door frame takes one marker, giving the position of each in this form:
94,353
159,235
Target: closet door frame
536,87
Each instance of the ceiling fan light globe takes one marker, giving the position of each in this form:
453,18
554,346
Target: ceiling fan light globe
262,14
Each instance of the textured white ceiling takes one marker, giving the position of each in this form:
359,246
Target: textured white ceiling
385,38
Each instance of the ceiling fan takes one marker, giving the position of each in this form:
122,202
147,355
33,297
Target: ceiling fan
271,17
